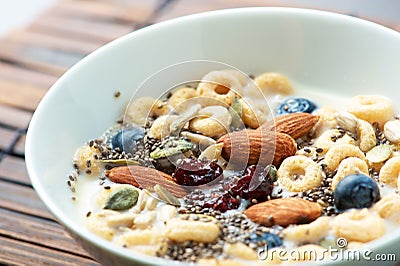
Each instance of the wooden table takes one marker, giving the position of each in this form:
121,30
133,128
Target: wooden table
31,60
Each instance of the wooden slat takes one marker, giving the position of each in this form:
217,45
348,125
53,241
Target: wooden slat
14,252
22,199
129,12
54,42
20,95
19,147
39,231
79,29
17,73
6,137
43,60
14,169
14,117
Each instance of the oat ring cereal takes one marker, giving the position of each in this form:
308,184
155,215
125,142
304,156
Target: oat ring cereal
371,108
355,225
211,121
390,171
340,152
311,232
333,137
351,165
220,85
389,206
299,173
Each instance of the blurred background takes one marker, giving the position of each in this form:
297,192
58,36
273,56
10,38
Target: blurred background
18,13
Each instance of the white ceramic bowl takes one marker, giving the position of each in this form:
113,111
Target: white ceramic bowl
334,53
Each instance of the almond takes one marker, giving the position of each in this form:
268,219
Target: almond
283,212
140,176
255,146
295,125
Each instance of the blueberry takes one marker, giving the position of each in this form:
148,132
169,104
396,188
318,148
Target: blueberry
126,139
356,191
270,239
296,105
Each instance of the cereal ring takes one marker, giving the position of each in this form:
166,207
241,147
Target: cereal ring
251,115
358,225
308,151
389,206
213,121
348,166
371,108
390,171
241,77
161,126
273,83
366,134
339,152
181,95
311,232
333,137
299,173
86,160
221,86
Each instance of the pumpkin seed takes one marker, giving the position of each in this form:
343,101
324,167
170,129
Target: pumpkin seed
271,171
379,153
122,199
166,196
172,147
236,110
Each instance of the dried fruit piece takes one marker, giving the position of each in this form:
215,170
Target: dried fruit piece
283,212
166,196
218,201
242,187
122,199
172,147
379,153
192,172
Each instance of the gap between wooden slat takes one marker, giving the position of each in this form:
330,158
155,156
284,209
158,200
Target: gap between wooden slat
14,117
14,169
38,231
6,137
14,252
17,73
22,199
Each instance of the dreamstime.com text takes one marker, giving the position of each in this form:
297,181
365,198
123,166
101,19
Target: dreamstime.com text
331,253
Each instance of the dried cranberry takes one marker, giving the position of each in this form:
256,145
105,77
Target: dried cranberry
219,202
192,172
241,187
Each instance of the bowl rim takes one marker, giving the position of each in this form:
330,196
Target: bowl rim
32,128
